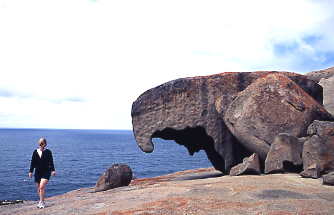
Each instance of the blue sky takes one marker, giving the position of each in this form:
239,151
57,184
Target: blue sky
309,56
81,63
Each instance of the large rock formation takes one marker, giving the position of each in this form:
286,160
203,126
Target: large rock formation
271,105
190,111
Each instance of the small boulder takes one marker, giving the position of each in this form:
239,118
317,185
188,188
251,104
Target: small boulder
117,175
319,148
284,155
328,179
312,171
250,166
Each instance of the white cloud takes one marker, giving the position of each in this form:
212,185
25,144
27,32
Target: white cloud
109,52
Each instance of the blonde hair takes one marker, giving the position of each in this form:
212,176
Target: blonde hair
41,141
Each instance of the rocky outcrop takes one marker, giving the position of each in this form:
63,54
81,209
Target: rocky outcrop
117,175
191,112
328,88
319,148
284,155
321,74
326,79
180,194
250,166
271,105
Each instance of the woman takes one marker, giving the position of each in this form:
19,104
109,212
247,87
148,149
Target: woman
42,162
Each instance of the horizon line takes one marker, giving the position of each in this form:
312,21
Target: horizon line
38,128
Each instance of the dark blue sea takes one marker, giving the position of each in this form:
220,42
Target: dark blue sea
81,156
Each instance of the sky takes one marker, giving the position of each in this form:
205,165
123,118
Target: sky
79,64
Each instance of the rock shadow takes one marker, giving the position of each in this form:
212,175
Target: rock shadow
197,176
194,139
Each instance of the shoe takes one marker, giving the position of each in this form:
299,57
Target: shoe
41,205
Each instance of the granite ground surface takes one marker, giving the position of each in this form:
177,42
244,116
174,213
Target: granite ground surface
200,191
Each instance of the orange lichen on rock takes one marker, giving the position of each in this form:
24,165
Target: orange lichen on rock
179,194
271,105
191,110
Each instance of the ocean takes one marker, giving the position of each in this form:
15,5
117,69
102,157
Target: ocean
81,156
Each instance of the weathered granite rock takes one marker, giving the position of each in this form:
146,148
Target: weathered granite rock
117,175
175,194
250,166
323,129
271,105
312,171
321,74
326,79
190,111
284,155
319,148
328,92
328,179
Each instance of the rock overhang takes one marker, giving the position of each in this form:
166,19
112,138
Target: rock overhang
199,102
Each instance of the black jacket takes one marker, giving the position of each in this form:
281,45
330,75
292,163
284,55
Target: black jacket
43,164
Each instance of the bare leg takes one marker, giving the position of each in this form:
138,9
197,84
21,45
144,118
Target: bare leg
42,186
37,186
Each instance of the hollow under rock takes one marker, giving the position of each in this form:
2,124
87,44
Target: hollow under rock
196,139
